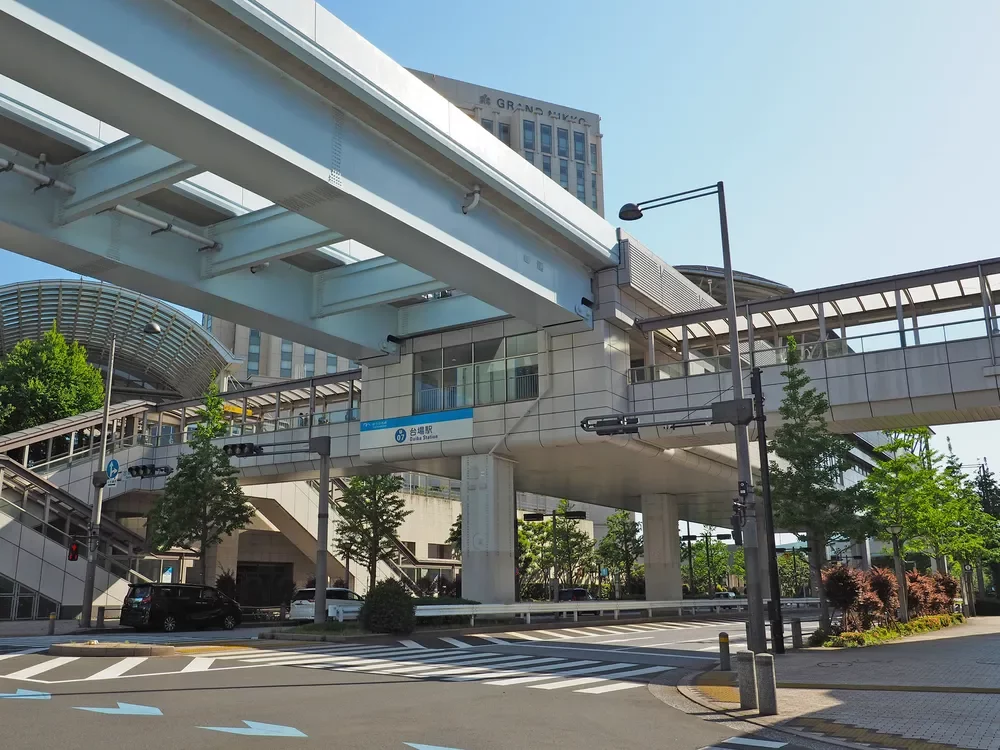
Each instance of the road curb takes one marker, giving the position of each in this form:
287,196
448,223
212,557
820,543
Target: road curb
111,649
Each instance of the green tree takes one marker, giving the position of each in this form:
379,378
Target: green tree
621,547
533,560
371,512
806,489
455,537
574,547
793,573
988,491
46,379
712,562
202,502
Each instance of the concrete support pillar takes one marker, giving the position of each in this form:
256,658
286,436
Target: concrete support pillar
488,537
663,548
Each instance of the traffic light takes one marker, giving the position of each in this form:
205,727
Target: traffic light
243,450
74,551
143,471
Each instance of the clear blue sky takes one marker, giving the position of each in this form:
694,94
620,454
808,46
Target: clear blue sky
855,139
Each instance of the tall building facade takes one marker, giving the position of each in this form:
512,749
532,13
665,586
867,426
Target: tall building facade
564,143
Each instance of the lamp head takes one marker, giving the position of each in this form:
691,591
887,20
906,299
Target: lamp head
151,328
630,212
894,529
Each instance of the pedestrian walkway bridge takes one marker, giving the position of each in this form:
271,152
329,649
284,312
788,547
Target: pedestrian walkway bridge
891,353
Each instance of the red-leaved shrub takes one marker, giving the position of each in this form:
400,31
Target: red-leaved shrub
884,585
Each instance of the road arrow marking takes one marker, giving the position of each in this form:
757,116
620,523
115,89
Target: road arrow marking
31,695
124,709
259,729
417,746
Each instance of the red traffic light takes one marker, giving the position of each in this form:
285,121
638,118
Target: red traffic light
74,551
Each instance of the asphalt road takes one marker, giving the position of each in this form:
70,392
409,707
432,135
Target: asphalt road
576,689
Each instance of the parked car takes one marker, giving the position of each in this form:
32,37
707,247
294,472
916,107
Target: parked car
575,595
725,595
304,603
170,606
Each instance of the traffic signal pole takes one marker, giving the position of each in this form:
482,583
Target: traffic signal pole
767,510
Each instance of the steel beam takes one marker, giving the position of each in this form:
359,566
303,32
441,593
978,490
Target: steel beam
449,312
195,92
263,236
116,173
377,281
120,250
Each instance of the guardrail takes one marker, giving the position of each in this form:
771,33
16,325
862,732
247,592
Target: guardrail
600,606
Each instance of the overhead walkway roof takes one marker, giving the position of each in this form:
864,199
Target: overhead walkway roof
900,297
182,357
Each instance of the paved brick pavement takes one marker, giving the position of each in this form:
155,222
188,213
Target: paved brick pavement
932,691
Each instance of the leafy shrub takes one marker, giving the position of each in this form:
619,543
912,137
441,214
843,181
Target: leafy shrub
850,639
876,636
848,590
947,584
226,583
818,638
884,585
388,608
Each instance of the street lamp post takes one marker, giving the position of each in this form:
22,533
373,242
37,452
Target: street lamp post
100,479
756,637
904,611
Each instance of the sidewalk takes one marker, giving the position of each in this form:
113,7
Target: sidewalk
928,692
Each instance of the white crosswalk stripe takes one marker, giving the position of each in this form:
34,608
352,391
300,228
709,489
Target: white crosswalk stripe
754,743
37,669
412,644
119,668
457,643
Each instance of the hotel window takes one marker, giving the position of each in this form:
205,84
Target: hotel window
562,142
331,364
529,135
579,146
206,322
547,164
581,182
593,156
309,361
286,358
593,190
486,372
503,132
488,124
546,132
564,173
253,353
530,156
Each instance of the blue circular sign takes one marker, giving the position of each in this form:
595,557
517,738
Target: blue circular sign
112,468
400,435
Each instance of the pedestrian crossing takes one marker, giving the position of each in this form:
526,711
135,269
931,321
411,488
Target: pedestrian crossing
459,664
742,743
9,645
578,632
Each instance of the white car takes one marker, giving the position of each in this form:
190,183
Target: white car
304,603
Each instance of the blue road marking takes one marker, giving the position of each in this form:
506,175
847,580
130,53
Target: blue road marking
31,695
259,729
124,709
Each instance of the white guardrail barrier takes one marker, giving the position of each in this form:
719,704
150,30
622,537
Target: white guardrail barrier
597,606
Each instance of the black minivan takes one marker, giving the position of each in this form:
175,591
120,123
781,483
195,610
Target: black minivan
170,606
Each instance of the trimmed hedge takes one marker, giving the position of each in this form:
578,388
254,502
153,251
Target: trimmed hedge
388,608
875,636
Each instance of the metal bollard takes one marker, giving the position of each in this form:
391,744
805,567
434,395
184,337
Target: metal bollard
52,623
100,617
283,613
746,678
767,685
724,665
796,632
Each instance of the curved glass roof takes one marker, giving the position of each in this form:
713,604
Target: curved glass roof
182,357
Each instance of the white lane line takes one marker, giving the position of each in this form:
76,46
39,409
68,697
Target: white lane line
117,670
491,639
417,665
593,630
755,743
624,640
199,664
553,633
602,678
413,644
483,664
709,648
515,668
21,653
611,688
551,676
457,643
44,666
523,636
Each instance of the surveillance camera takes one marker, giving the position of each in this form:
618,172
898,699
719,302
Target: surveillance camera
259,267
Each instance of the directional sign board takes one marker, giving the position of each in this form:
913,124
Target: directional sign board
113,469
